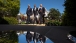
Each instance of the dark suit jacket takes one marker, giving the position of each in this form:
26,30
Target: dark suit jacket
35,11
29,37
29,12
43,10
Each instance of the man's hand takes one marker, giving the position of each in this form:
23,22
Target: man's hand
40,10
40,38
43,14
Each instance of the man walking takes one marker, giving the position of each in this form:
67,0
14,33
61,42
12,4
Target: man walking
35,11
29,13
19,18
42,13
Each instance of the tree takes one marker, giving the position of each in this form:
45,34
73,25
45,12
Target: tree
54,13
69,19
2,7
10,7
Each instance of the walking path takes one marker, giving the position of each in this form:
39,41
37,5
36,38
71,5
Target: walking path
33,24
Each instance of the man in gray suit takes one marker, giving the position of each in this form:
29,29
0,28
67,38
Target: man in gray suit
29,13
42,13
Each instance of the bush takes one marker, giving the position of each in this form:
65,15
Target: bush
3,21
11,20
53,23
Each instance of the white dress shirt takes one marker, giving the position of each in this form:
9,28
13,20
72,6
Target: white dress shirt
35,8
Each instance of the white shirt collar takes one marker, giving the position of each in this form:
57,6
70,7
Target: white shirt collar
40,7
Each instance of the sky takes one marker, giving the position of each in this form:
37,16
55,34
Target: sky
48,4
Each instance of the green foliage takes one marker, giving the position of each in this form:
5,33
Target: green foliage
10,7
13,33
69,18
10,37
54,13
3,21
11,20
23,23
53,23
64,19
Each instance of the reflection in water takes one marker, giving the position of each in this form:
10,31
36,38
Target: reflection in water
8,37
22,38
18,37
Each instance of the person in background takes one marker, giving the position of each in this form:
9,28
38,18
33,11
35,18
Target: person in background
28,37
19,19
35,11
22,18
29,13
42,13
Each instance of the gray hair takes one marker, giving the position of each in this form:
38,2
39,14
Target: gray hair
40,4
28,4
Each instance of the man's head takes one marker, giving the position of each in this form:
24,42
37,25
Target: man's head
40,5
34,5
28,5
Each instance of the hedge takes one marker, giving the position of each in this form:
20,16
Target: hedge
3,21
11,20
53,23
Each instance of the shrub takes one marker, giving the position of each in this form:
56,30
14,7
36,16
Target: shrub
11,20
53,23
3,21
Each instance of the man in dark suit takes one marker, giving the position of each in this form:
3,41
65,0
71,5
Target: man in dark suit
35,11
29,13
42,13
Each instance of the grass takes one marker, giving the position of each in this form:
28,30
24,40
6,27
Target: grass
22,22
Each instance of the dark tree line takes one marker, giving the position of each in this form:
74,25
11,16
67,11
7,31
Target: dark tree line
69,17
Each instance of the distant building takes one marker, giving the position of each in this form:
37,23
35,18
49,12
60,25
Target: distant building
19,13
46,12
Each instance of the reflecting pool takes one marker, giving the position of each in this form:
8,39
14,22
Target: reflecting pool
22,38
